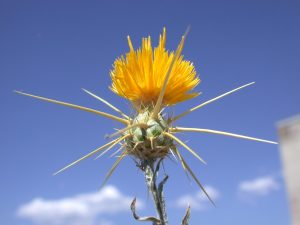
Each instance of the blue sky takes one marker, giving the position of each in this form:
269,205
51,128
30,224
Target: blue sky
55,48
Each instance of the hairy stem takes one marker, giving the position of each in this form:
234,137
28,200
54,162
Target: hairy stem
151,171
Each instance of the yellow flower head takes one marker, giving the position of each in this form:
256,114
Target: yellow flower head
139,76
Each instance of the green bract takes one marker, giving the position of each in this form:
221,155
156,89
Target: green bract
147,140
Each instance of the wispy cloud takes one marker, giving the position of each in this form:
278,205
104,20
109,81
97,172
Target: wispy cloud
260,186
198,200
77,210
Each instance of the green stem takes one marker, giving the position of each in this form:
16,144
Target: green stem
151,171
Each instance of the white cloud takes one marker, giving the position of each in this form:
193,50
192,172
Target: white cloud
260,186
199,200
77,210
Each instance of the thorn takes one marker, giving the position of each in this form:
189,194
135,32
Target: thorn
152,142
187,216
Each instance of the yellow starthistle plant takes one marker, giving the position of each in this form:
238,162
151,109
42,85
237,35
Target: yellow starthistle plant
152,79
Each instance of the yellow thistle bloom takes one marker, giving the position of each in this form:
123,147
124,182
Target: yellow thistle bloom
139,76
151,80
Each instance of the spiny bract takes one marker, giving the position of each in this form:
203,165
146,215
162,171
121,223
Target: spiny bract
147,139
